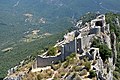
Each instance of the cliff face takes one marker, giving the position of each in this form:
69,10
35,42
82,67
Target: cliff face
91,59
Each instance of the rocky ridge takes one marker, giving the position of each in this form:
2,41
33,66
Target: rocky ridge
103,70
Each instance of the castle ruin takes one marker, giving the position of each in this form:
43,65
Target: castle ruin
79,41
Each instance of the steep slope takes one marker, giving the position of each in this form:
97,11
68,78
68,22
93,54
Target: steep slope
114,20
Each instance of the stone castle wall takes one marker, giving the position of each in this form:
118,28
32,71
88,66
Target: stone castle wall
67,49
86,41
42,62
77,45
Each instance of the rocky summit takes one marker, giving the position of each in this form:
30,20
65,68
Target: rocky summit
86,53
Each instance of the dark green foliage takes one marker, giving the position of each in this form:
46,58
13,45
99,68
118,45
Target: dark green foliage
111,19
95,43
22,50
71,56
77,68
65,65
52,51
69,60
88,17
105,52
92,73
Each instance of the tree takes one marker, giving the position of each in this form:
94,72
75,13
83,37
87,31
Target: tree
52,51
95,43
105,52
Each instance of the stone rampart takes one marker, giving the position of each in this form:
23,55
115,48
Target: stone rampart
42,62
67,48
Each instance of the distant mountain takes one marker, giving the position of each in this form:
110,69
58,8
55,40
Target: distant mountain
11,12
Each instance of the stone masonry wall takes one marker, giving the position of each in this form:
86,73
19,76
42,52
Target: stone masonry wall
68,49
86,41
42,62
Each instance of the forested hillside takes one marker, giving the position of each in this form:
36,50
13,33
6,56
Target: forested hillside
22,51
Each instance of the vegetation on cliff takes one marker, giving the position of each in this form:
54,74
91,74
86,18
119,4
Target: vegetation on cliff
71,68
114,21
105,52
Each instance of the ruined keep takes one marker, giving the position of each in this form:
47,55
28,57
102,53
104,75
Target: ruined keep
79,41
74,42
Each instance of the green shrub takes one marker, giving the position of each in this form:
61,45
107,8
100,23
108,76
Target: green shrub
110,18
68,58
95,43
88,66
76,68
72,55
52,51
105,52
55,67
65,65
92,74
